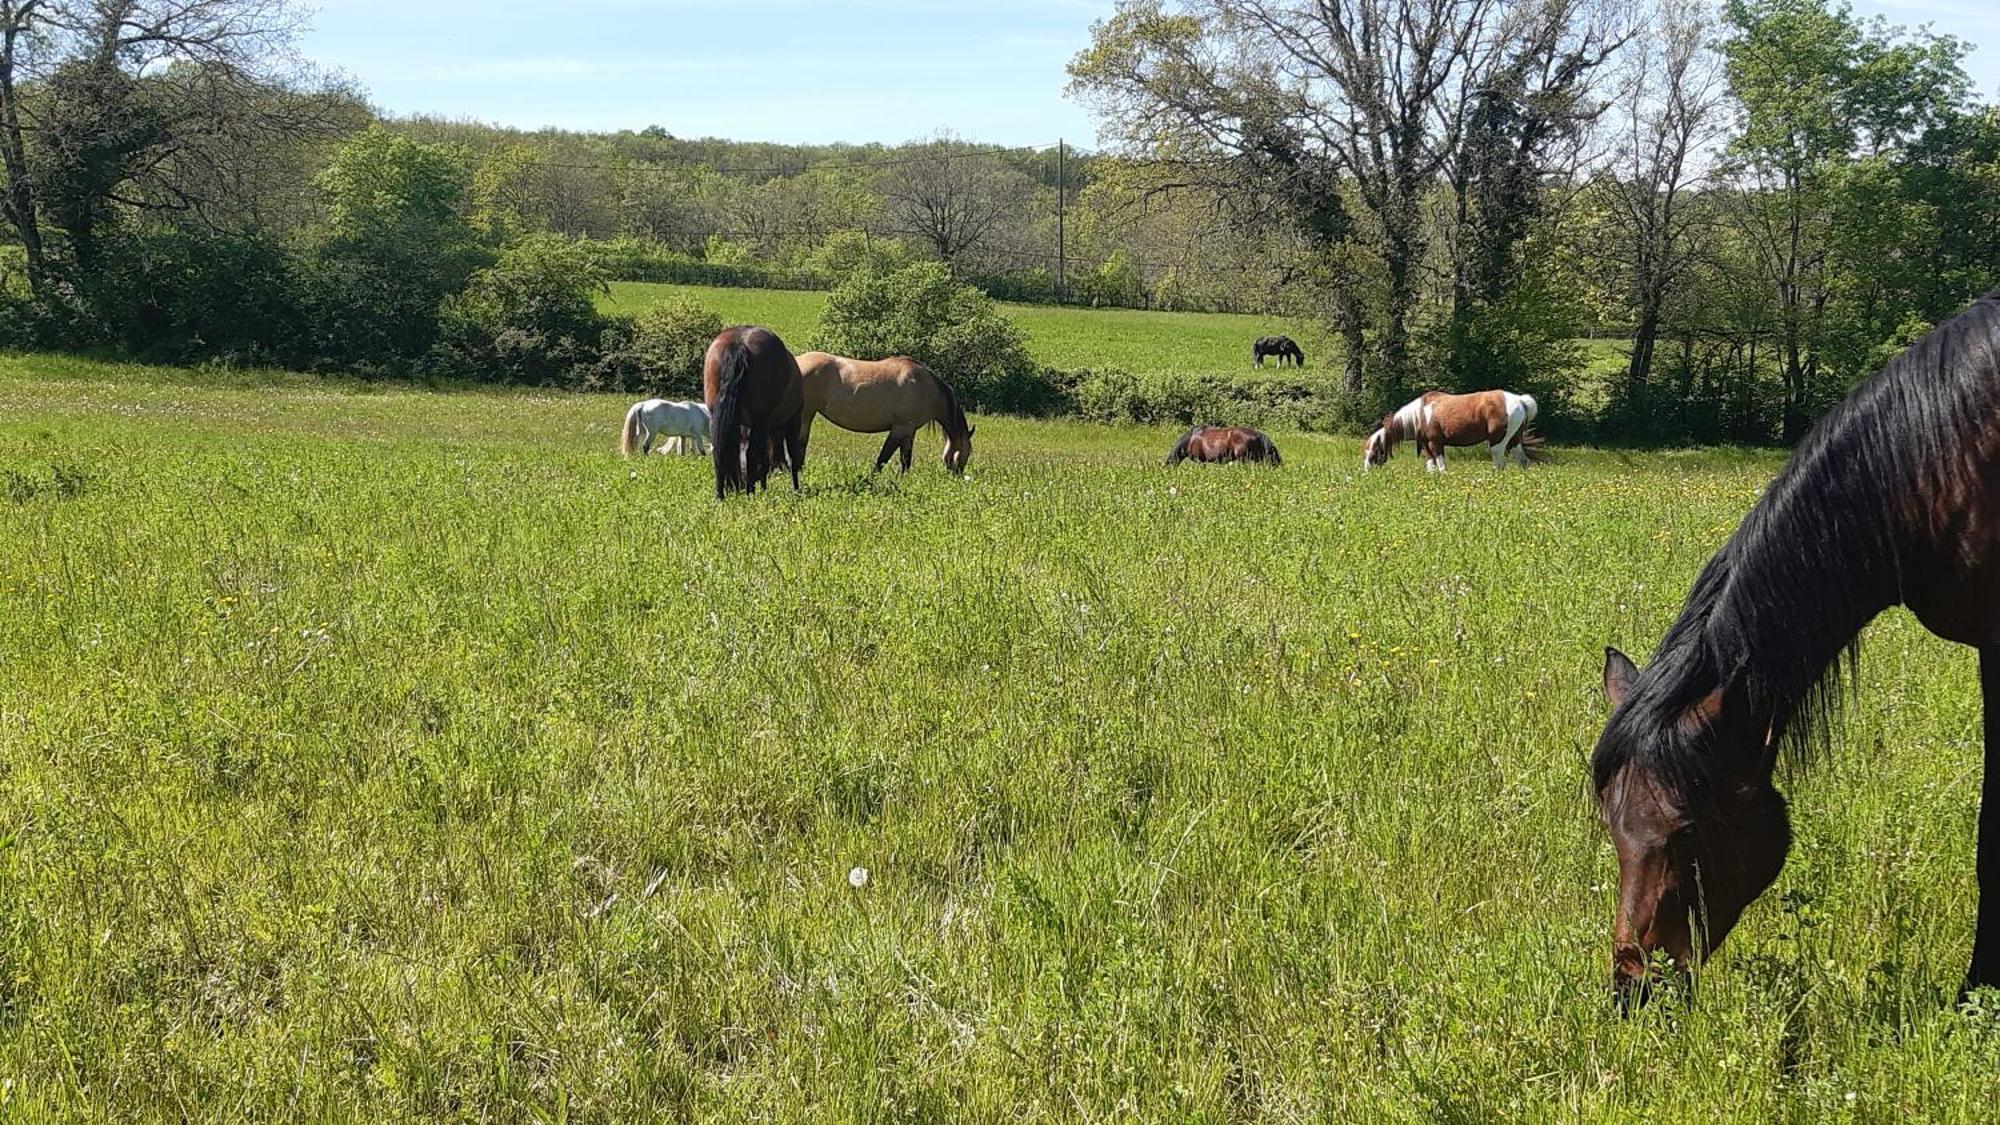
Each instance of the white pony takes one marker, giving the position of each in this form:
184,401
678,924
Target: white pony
678,422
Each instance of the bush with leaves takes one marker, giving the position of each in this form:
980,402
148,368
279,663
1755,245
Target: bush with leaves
395,245
660,352
922,312
531,317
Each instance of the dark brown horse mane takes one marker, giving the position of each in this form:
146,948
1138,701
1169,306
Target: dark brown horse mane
1776,614
954,423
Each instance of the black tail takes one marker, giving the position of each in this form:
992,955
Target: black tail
1271,453
724,440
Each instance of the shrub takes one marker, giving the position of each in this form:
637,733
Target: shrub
1170,398
372,280
850,252
922,312
662,350
529,318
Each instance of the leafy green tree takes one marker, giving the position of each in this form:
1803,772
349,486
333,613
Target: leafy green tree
1820,89
395,244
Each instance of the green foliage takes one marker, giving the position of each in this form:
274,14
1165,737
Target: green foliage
395,245
848,253
1115,281
665,345
923,312
531,317
1171,398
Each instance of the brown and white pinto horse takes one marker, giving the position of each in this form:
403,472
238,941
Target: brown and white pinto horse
1217,444
756,408
1433,420
1893,498
897,395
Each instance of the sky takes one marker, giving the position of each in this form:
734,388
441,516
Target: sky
795,71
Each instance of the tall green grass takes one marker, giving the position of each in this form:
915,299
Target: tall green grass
377,754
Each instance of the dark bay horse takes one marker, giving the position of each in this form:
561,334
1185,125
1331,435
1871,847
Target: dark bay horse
756,403
1280,346
1893,498
1215,444
897,396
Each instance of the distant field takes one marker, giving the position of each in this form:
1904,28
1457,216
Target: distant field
369,754
1066,337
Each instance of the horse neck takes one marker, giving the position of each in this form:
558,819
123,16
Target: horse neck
1775,619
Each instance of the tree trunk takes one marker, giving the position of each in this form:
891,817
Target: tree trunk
1352,320
18,204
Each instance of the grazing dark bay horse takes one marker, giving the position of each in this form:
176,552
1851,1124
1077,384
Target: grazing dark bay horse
1280,346
756,402
1216,444
1497,419
1893,498
897,396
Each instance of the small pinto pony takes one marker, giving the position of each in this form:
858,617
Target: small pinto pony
897,395
677,422
757,403
1217,444
1500,419
1280,346
1893,498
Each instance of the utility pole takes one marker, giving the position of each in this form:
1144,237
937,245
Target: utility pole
1062,206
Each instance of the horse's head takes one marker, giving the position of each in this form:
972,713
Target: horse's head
1376,450
958,450
1685,791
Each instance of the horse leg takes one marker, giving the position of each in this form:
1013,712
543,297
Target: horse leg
759,455
909,448
646,447
888,448
795,452
1985,971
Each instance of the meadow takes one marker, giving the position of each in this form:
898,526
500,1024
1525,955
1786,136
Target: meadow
1063,336
373,753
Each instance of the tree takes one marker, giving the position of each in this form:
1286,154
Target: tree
951,196
1310,103
1818,89
1669,115
133,91
396,242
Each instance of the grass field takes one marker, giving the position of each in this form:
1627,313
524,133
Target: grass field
376,754
1062,336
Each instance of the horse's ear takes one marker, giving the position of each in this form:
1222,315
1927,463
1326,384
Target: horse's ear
970,430
1619,674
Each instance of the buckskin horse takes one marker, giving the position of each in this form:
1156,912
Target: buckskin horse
897,395
1218,444
1893,498
1280,346
756,401
1500,419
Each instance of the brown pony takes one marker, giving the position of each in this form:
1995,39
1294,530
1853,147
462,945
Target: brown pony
897,395
1893,498
1498,419
1215,444
756,406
